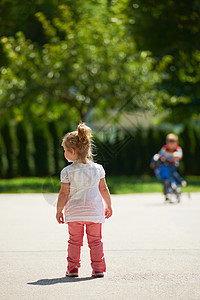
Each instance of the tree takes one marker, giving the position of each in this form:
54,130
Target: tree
172,28
89,61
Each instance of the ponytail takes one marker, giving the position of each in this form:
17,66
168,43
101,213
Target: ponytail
81,141
84,132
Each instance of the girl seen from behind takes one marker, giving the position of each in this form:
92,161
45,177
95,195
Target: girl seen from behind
83,187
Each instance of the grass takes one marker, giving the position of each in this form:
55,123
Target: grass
146,184
117,185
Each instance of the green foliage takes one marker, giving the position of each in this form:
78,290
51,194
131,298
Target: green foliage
86,54
34,149
18,15
57,131
44,151
62,61
87,62
3,158
26,148
171,28
8,131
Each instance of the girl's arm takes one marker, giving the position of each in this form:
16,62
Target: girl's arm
62,199
104,191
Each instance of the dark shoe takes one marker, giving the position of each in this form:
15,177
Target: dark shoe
97,274
167,197
72,273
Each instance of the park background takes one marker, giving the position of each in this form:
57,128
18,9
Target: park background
129,69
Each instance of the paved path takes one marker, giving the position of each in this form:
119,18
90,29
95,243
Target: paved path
152,250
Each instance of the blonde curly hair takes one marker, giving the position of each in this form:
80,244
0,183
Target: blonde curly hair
79,140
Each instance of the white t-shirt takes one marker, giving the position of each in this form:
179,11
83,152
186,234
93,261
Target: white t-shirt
84,201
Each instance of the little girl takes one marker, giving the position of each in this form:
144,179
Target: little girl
83,186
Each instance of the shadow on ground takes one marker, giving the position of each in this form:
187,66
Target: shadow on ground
59,280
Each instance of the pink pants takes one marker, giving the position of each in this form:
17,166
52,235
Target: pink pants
94,236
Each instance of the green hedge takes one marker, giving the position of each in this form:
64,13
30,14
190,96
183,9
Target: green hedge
33,148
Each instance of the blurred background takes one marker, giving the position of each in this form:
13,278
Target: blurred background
129,69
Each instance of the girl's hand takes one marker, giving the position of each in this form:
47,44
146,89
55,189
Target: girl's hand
108,212
60,218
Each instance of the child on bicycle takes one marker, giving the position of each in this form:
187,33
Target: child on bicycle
166,162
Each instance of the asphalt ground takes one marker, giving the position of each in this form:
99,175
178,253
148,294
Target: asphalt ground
152,250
